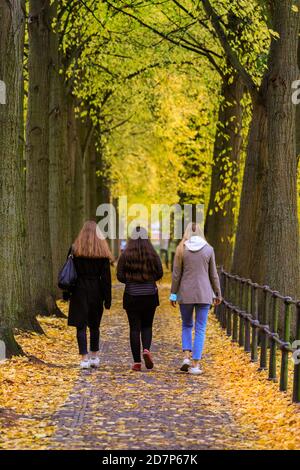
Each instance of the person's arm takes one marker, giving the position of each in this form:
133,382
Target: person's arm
120,269
177,273
106,283
214,277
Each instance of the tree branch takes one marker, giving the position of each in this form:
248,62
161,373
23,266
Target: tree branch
119,124
231,55
156,31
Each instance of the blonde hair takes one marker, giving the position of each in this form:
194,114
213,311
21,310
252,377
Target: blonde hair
90,242
192,229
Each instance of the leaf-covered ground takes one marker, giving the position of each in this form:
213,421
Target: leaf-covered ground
46,402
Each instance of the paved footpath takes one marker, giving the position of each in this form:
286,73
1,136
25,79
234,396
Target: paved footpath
115,408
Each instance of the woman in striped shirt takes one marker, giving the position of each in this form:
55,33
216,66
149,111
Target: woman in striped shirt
139,268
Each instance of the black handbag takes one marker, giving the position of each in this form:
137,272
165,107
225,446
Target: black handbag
67,276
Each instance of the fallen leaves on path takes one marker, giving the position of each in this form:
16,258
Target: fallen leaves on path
33,387
231,405
256,403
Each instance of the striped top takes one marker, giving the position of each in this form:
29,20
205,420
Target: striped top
140,288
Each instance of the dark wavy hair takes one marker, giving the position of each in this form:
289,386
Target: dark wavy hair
141,262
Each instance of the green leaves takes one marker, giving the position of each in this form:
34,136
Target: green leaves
148,74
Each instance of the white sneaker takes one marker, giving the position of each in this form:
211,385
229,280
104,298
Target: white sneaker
185,365
95,361
85,364
195,370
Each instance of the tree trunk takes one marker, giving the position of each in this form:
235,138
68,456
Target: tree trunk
27,321
74,148
93,179
247,241
279,230
86,137
59,157
12,287
37,160
103,191
267,245
297,128
220,218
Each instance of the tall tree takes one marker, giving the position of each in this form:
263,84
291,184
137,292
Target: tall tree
279,218
59,154
12,255
37,159
268,233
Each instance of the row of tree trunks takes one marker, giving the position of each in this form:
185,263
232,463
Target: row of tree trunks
43,208
267,248
279,218
220,218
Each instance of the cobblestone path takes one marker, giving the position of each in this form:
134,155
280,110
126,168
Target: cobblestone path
115,408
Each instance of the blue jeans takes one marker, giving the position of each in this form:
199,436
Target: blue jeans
187,311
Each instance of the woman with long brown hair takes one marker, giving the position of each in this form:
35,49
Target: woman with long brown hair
92,259
139,268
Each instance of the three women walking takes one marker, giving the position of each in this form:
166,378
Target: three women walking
195,286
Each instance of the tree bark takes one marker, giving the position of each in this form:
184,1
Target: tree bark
267,247
280,230
74,146
59,158
27,321
12,286
297,124
220,218
86,137
93,179
247,241
275,194
37,160
103,191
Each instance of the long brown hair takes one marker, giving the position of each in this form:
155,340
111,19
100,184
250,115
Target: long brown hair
90,242
141,261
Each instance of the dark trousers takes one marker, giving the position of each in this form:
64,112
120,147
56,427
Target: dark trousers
82,339
140,324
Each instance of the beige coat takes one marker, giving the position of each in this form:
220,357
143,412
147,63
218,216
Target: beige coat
195,280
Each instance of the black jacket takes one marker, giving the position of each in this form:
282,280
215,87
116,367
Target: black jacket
92,290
